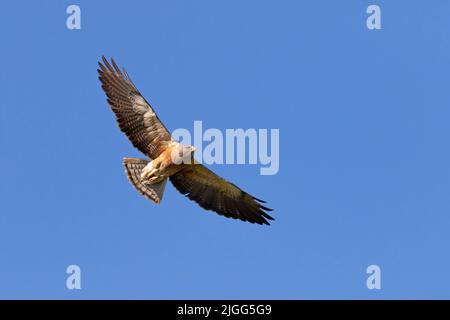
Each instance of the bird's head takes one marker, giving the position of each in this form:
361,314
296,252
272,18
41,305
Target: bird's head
184,154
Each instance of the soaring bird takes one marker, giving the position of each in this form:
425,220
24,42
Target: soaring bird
138,120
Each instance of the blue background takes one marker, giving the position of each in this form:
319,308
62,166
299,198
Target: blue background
364,157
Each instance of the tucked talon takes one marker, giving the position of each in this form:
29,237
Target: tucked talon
146,173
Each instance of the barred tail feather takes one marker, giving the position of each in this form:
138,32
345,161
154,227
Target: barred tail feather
133,168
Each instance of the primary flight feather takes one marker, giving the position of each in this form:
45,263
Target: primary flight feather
138,120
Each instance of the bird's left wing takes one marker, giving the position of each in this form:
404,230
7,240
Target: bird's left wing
212,192
135,116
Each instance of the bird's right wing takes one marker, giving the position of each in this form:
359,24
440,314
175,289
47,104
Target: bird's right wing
135,116
212,192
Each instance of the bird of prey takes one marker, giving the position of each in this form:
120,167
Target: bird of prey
138,120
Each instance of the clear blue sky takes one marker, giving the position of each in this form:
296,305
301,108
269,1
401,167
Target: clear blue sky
364,149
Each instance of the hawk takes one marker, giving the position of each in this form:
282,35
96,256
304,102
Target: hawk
138,120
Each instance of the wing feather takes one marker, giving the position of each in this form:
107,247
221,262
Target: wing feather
214,193
135,116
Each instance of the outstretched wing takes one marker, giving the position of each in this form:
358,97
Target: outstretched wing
214,193
135,116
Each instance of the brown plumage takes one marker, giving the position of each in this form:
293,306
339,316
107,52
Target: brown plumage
134,114
212,192
138,120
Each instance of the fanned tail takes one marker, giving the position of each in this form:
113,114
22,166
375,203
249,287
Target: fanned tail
133,168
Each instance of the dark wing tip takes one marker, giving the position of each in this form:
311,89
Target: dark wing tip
262,210
250,210
259,200
265,215
265,208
